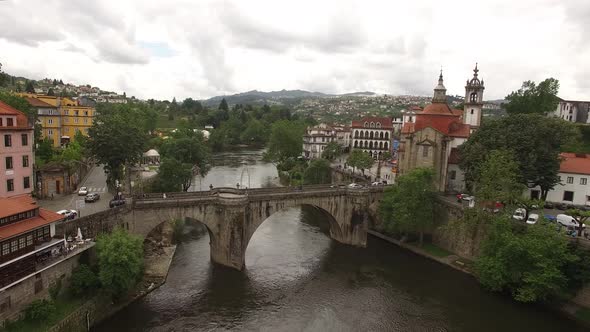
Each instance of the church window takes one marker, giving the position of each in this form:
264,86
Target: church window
472,111
425,151
453,175
473,97
366,124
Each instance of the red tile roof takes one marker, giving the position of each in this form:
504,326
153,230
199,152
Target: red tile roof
15,205
386,123
575,163
408,128
21,119
438,108
416,108
38,103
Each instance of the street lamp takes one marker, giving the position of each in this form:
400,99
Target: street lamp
245,169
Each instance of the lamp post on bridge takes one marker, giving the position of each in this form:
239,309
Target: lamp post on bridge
247,170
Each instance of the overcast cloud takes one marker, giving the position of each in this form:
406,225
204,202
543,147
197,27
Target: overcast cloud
199,49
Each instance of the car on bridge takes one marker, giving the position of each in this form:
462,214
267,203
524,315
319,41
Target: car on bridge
355,186
69,214
116,202
92,197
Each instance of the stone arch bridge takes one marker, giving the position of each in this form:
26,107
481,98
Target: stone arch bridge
233,215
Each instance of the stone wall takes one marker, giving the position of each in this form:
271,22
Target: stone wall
15,299
94,224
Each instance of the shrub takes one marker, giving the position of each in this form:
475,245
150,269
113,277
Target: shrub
39,310
83,281
54,290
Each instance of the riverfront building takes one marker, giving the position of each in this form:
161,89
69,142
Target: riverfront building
316,139
373,135
430,137
16,152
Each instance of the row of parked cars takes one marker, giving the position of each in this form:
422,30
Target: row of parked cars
561,219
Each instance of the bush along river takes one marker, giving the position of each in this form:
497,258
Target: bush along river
298,279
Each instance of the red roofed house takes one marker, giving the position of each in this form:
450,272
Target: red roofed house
372,135
16,152
431,140
574,172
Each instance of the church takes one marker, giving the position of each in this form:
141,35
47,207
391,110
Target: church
431,140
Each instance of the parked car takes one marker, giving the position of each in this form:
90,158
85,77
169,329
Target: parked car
550,218
564,206
549,205
519,214
92,197
464,197
116,202
533,218
376,183
69,214
355,185
568,221
83,191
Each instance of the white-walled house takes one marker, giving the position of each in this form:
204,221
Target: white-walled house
574,188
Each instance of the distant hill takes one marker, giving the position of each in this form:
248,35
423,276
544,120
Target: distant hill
287,96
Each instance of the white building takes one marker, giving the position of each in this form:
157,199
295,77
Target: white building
573,111
574,188
342,136
373,135
316,139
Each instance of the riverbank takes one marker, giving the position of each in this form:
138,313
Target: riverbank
570,309
99,308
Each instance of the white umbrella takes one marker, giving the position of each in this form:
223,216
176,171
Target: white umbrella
79,236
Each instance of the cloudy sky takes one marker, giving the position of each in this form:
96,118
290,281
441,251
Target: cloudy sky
188,48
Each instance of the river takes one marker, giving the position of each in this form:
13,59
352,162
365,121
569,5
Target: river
298,279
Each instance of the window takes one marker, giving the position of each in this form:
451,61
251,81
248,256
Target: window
568,196
10,185
75,120
10,122
584,181
26,182
8,162
425,151
29,240
570,179
14,246
25,161
50,132
66,112
76,113
7,140
0,122
453,175
24,139
86,113
21,243
5,248
85,120
472,111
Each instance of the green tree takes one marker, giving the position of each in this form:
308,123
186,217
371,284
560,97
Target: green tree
115,139
50,92
534,140
83,281
223,105
581,217
4,78
45,152
360,159
40,310
318,172
408,206
173,175
286,141
529,264
70,158
534,99
120,261
30,87
332,151
499,178
255,133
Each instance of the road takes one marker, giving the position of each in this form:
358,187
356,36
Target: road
95,182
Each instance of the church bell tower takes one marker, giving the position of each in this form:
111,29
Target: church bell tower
473,101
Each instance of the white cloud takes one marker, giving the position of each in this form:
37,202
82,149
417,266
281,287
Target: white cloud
184,48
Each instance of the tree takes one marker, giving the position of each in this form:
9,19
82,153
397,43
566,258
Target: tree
30,87
50,92
173,175
581,217
530,264
408,206
534,140
255,133
120,261
70,158
83,281
318,172
498,178
360,159
286,141
45,152
534,99
117,138
332,151
4,78
223,105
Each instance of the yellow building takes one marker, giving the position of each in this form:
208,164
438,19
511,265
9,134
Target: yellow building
71,117
49,118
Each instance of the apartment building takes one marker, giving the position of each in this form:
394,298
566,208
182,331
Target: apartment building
16,152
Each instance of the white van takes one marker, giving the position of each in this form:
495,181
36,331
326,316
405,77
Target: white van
567,221
519,214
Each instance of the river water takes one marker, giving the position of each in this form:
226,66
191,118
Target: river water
298,279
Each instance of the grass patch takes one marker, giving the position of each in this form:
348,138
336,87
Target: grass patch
63,307
163,121
435,251
583,314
